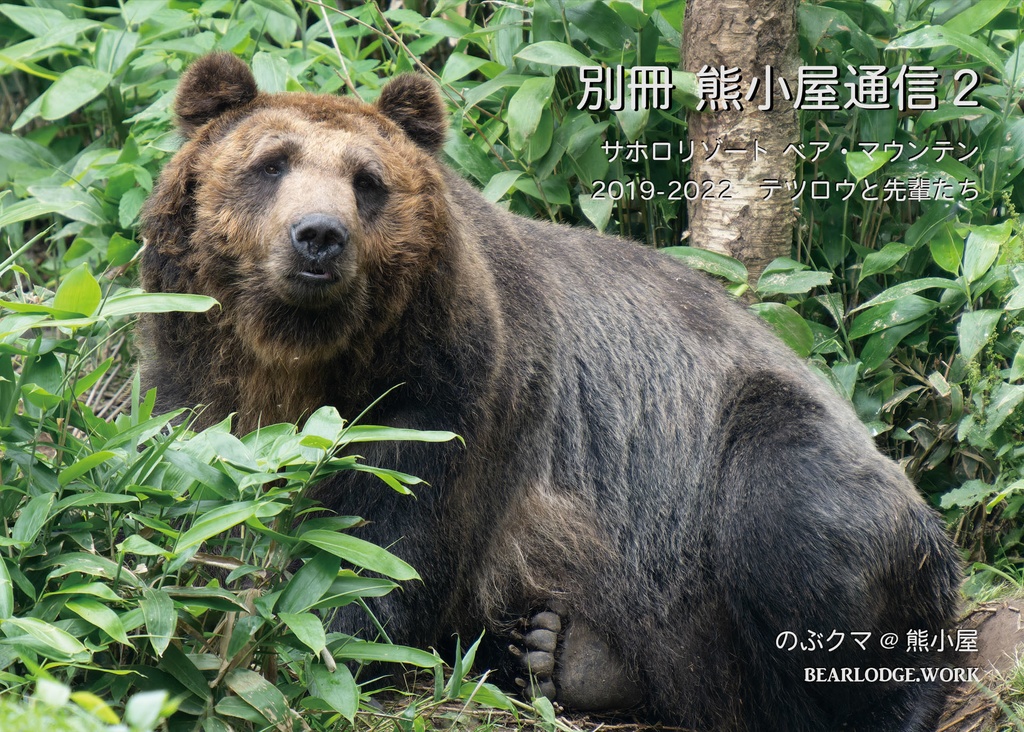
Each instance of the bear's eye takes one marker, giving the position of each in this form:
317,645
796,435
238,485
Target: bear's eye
272,169
368,181
371,194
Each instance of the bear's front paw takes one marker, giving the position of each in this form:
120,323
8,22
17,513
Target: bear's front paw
534,654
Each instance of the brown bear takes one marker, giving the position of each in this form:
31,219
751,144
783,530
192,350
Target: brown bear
677,513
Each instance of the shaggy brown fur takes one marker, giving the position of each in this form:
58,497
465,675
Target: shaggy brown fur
640,451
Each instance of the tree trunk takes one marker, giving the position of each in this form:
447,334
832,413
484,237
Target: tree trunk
750,35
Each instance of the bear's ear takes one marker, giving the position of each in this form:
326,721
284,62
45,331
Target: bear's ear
414,103
211,86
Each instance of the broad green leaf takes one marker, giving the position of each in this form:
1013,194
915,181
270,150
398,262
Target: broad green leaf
975,17
79,292
93,565
934,36
271,72
879,346
142,712
216,522
32,518
96,589
75,88
554,53
500,184
309,583
975,329
99,615
861,165
884,259
374,433
597,210
349,587
887,315
6,592
713,263
337,688
1017,367
971,493
83,466
95,706
788,325
908,288
982,248
947,248
308,628
134,303
26,210
51,640
525,108
360,553
599,23
139,546
791,282
181,667
260,694
352,649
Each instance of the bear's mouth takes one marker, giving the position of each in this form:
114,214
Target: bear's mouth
316,274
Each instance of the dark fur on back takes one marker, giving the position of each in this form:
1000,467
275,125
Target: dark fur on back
638,446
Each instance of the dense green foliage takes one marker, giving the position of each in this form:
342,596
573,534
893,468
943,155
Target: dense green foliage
910,308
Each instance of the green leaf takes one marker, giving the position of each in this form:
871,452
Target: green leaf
271,72
600,24
337,688
861,165
788,325
597,210
880,345
713,263
976,328
83,466
99,615
179,666
260,694
216,522
52,642
75,88
500,184
308,628
633,122
352,649
374,433
934,36
142,712
982,248
139,546
32,518
976,16
134,302
791,282
129,206
947,248
525,108
309,583
6,592
79,292
908,288
554,53
971,493
360,553
884,259
887,315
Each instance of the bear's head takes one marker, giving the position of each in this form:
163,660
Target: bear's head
310,217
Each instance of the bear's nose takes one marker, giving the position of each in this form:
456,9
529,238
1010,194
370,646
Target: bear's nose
319,237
